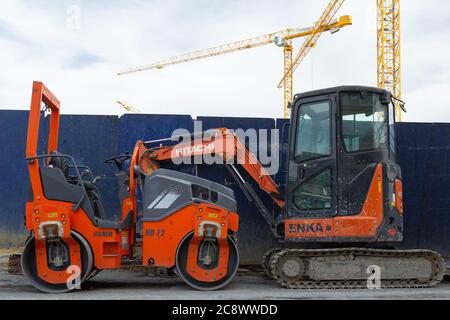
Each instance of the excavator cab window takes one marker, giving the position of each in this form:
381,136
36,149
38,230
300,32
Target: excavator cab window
392,128
314,132
365,122
315,194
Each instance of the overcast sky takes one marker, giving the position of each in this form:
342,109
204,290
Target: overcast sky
40,40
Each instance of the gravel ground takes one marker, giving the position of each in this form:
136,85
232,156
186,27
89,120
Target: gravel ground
122,285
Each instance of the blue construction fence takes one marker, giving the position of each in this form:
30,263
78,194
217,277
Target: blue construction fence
423,151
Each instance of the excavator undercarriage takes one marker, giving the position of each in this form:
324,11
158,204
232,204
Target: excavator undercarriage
352,268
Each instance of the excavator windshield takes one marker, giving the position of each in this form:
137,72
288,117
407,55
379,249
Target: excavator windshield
365,122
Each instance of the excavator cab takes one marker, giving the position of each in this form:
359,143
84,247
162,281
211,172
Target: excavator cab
343,183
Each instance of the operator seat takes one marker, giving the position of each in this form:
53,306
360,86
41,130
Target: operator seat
58,185
93,195
59,162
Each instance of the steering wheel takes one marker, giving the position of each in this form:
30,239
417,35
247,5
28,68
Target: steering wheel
119,160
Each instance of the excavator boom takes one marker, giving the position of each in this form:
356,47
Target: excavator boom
222,145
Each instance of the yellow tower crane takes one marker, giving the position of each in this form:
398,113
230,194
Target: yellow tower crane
388,50
282,39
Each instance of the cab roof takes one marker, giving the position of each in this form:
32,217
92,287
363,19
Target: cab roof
337,90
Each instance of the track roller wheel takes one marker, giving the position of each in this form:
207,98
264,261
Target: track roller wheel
265,263
213,250
29,266
287,268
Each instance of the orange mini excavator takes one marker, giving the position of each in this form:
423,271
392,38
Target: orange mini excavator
341,211
189,224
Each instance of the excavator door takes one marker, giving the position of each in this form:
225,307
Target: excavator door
312,163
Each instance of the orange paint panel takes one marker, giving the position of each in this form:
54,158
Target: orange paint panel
204,275
50,212
51,276
161,239
29,216
111,248
97,237
80,223
233,222
399,196
365,225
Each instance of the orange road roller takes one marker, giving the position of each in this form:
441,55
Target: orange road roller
182,225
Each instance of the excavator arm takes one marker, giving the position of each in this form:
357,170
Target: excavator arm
219,144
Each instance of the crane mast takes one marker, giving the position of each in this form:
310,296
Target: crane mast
311,40
389,50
